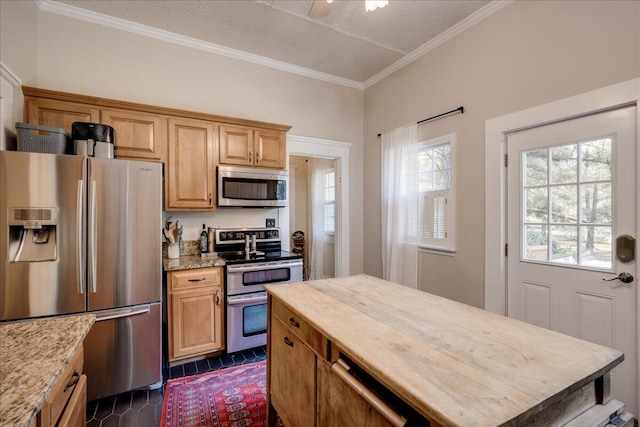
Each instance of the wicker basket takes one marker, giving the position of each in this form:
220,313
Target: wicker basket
43,139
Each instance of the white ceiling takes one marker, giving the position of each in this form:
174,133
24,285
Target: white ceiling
350,44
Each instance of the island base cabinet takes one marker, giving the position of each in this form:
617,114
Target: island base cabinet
339,404
67,403
76,413
292,377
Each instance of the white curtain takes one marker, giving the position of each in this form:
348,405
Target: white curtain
400,206
317,177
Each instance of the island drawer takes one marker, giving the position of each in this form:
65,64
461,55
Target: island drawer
300,327
62,391
195,278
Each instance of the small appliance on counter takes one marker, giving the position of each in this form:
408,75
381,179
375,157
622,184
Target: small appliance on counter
93,139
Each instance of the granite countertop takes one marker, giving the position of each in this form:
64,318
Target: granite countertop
33,355
186,262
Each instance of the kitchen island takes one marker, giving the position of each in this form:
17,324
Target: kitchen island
362,351
34,356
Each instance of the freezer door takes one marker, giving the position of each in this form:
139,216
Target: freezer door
123,350
41,235
124,223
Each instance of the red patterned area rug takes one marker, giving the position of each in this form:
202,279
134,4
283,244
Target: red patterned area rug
232,397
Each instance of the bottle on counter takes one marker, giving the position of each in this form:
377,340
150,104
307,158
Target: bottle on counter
210,236
204,239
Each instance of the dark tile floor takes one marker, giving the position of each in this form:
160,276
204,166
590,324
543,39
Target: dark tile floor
143,408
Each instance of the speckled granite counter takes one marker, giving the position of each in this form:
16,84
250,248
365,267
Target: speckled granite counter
33,355
191,261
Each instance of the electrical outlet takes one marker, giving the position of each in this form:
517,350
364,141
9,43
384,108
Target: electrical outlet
271,222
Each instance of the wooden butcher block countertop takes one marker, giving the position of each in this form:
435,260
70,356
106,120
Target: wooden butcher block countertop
455,364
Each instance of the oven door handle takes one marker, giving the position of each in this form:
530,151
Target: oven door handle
231,300
259,267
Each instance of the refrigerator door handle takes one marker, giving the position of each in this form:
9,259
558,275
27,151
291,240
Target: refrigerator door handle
93,270
80,234
117,314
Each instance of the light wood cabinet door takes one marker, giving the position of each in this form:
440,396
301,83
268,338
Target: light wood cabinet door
270,149
69,395
138,136
236,145
292,377
190,183
75,415
196,322
60,114
340,405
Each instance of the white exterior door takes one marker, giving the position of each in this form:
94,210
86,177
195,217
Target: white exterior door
570,194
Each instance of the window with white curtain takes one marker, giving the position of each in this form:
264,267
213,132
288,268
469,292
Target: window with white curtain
436,215
330,201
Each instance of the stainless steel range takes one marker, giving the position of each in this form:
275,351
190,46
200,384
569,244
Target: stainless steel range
254,257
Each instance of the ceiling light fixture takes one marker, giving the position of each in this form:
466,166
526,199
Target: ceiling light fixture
374,4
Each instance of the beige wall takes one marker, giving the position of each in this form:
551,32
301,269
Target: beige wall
529,53
75,56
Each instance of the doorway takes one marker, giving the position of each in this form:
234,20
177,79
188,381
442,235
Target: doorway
336,154
312,183
546,257
569,199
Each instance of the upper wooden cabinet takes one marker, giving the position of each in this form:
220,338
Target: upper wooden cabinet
243,146
190,180
139,136
189,143
60,114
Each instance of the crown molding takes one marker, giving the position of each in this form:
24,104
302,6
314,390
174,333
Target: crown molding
144,30
319,141
9,75
440,39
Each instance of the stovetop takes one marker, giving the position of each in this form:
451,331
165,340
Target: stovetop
239,257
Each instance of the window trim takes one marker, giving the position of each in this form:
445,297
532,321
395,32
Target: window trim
333,202
449,245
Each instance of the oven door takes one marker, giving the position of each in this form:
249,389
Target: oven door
246,321
245,278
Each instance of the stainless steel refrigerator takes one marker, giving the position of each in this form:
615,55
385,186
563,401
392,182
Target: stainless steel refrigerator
82,234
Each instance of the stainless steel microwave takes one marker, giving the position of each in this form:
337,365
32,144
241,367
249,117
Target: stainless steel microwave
252,187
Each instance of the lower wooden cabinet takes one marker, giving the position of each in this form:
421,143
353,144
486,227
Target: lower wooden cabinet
310,384
195,311
66,405
293,380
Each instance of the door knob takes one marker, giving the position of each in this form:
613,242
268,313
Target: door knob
623,277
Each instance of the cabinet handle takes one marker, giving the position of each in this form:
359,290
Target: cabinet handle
341,369
288,342
257,157
198,280
209,199
217,297
294,323
74,381
249,156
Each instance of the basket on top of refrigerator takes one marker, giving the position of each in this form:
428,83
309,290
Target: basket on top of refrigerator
43,139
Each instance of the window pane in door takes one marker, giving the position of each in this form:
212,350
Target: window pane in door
564,204
595,203
564,244
536,205
536,167
564,164
536,242
596,246
595,160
